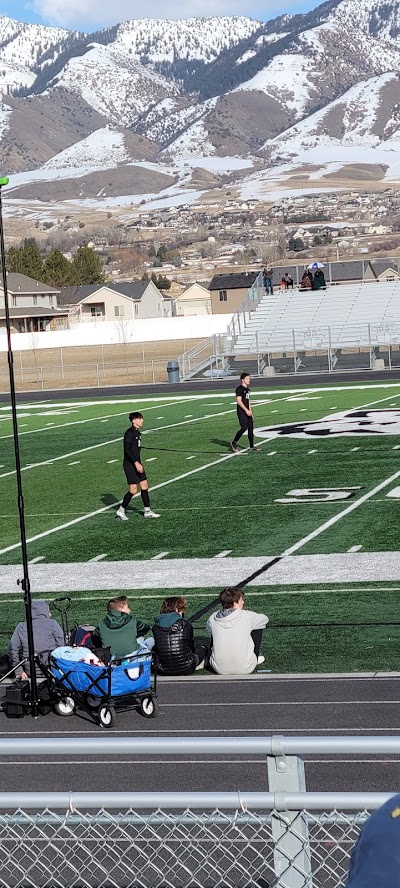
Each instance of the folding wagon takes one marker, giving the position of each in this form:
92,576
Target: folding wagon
102,691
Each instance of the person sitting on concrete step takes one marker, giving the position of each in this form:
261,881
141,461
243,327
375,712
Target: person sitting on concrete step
236,635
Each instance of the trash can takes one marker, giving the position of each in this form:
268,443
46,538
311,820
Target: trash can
173,371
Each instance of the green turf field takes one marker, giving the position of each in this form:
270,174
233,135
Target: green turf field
314,495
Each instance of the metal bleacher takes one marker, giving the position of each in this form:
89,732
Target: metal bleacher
347,316
351,326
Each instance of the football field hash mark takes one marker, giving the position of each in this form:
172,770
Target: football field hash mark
99,557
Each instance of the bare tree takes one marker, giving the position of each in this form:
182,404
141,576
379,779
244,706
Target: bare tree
34,345
124,335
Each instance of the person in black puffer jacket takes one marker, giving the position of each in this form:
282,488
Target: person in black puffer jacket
177,653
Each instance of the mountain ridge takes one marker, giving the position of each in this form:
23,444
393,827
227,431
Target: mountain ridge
184,92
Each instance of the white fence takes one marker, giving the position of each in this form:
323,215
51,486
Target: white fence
105,333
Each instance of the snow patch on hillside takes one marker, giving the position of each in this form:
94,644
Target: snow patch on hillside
103,149
286,78
358,108
5,113
114,85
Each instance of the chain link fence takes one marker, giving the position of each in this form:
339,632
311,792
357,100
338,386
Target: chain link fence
166,849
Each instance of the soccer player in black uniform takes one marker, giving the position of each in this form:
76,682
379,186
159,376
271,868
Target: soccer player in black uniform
244,413
134,471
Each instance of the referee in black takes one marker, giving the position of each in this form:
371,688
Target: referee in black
134,471
244,412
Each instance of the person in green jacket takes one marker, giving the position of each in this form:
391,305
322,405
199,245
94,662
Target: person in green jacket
121,631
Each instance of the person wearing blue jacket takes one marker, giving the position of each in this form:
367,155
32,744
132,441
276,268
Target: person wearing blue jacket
375,859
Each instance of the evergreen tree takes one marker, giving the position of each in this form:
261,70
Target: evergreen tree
88,267
160,281
58,271
26,259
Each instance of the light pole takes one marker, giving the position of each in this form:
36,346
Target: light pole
25,583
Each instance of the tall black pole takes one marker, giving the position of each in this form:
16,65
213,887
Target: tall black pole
25,583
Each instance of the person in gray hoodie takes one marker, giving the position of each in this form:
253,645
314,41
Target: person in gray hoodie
236,635
47,635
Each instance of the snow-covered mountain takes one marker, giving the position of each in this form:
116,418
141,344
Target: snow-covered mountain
26,49
186,91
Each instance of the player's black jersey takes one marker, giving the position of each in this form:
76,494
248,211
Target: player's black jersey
132,445
244,393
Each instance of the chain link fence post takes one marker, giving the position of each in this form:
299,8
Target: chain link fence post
292,857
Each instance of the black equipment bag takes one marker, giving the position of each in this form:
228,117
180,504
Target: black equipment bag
16,698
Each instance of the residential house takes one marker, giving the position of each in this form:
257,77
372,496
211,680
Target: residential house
194,300
32,305
382,270
228,291
116,302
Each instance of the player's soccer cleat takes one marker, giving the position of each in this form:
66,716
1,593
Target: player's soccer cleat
200,666
260,660
255,449
150,514
234,447
120,513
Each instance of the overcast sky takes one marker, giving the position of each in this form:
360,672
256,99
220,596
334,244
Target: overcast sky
88,15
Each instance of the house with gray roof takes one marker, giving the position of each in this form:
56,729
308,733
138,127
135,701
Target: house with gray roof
228,291
33,306
126,301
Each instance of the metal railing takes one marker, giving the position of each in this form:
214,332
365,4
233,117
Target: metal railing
284,838
323,350
249,304
204,355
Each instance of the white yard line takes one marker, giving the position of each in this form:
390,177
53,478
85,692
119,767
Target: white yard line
47,462
174,425
210,573
103,596
287,552
96,512
98,557
223,554
159,556
340,515
99,419
36,560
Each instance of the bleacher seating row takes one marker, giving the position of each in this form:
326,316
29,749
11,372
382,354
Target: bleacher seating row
346,316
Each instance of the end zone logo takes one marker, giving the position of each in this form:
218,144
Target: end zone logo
347,422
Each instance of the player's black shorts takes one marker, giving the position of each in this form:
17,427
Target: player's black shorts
132,476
